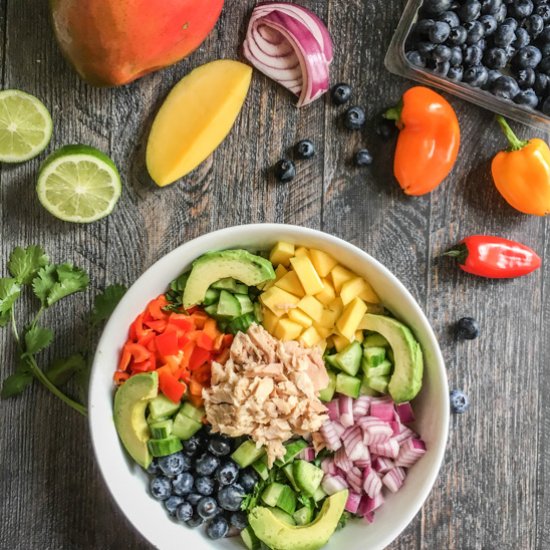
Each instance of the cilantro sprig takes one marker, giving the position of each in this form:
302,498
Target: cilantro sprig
30,268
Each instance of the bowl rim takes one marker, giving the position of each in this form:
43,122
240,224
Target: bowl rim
239,231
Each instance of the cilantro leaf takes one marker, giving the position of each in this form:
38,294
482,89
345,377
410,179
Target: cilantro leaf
9,292
61,370
343,520
17,382
37,338
54,282
43,283
106,302
24,263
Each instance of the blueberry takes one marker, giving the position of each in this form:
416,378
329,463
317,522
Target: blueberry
527,58
183,483
207,507
238,520
231,497
489,24
544,65
227,473
442,68
495,58
174,464
416,58
303,150
160,487
451,18
546,106
492,75
545,49
455,73
422,27
217,528
490,7
248,479
220,445
504,36
195,521
284,170
501,14
425,48
475,76
534,25
204,485
522,39
528,98
354,118
511,22
439,32
206,464
541,84
472,56
521,8
385,129
184,512
510,51
456,57
441,54
459,402
193,498
171,504
475,31
543,10
526,78
482,44
467,327
436,6
470,10
363,157
341,93
192,445
457,36
153,468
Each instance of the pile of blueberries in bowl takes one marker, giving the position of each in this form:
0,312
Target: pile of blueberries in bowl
502,46
201,484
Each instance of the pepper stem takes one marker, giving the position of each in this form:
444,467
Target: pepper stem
459,253
515,143
394,113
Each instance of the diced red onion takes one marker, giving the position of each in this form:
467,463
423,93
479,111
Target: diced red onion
333,484
307,454
406,433
331,437
372,484
382,464
393,480
361,406
396,427
327,465
333,409
354,478
353,443
346,411
376,432
339,429
375,503
389,448
405,412
352,504
292,45
342,461
365,461
369,517
410,451
382,410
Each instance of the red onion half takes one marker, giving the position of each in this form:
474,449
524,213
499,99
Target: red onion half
291,45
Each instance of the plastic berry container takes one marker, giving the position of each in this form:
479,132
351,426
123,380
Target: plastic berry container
396,62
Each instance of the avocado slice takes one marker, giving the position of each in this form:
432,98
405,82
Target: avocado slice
131,401
277,534
406,380
213,266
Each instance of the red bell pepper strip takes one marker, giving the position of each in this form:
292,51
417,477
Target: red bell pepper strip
157,325
170,386
138,352
167,343
120,377
183,322
155,307
205,342
198,358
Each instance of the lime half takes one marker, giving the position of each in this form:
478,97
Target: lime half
25,126
78,184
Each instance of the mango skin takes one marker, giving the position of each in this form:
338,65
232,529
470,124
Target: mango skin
113,42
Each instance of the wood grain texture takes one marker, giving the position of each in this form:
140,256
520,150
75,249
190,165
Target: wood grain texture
493,489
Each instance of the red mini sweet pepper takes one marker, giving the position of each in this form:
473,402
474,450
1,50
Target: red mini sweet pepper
494,257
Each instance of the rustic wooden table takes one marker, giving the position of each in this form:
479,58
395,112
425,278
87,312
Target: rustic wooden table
492,492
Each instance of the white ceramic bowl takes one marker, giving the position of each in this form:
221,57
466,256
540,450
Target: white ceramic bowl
128,483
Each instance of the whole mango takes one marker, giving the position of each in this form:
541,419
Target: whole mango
113,42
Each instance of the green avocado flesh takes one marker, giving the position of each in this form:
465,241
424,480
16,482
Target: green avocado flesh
406,380
131,401
278,535
213,266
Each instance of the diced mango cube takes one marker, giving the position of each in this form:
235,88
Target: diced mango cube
336,305
340,342
351,289
301,251
322,345
351,317
368,294
339,276
327,294
322,262
291,283
310,337
328,318
281,253
280,272
298,316
359,336
311,306
270,320
288,330
323,331
279,301
306,273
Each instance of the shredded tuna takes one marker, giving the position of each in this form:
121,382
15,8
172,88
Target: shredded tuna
267,390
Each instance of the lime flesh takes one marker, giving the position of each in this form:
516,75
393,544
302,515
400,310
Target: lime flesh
25,126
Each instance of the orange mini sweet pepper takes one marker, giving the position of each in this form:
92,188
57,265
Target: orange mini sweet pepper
428,142
522,173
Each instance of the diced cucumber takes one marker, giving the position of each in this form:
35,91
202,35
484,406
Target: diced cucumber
303,516
211,297
245,302
251,541
240,288
308,477
228,305
185,427
272,492
331,360
164,447
247,453
292,449
375,340
327,394
283,516
162,429
348,385
383,369
151,420
287,500
349,359
288,470
162,407
319,494
212,310
261,467
241,323
366,389
379,383
225,284
373,357
192,412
